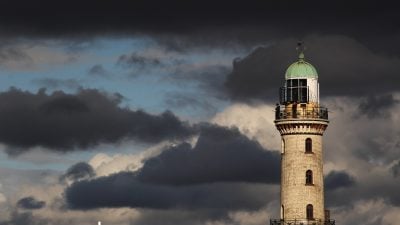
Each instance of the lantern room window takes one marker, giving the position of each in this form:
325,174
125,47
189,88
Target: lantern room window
295,91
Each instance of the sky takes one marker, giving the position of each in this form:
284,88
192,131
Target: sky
161,112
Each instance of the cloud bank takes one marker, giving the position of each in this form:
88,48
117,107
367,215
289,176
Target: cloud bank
64,122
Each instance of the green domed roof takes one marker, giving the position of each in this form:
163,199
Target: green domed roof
301,69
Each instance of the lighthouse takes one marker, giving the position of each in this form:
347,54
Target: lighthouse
301,121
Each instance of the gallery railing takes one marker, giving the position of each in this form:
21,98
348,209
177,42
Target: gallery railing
302,222
282,112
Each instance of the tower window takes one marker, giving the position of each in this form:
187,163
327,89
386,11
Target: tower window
309,177
310,213
308,145
295,90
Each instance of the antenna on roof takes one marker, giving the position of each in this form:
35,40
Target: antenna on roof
300,46
300,49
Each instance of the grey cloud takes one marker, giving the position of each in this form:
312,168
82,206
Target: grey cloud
181,217
377,106
140,61
30,203
373,147
345,67
338,179
258,20
220,154
98,70
58,83
360,149
188,100
24,218
373,188
225,170
396,169
78,171
13,53
373,183
124,190
210,78
65,122
139,65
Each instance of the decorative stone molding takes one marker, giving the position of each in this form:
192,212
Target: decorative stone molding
290,127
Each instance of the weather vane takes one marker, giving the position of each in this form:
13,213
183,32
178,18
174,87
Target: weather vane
300,47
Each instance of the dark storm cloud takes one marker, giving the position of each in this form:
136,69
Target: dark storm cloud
81,170
374,149
377,106
181,25
220,154
345,67
338,179
70,18
124,190
63,122
374,188
30,203
223,170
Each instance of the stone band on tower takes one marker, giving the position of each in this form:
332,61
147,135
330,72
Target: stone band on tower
301,122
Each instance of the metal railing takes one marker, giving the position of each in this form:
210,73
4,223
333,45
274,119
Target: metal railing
282,112
302,222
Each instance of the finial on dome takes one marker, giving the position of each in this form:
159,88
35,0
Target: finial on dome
301,56
300,49
301,68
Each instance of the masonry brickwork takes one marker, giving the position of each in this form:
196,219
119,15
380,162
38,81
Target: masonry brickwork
295,193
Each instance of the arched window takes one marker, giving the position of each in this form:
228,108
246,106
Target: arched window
283,146
308,145
309,178
310,213
282,212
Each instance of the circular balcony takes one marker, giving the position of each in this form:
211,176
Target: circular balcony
284,112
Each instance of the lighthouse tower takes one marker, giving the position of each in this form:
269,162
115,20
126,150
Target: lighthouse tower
301,122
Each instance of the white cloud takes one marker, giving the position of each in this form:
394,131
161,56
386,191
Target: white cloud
105,164
256,122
